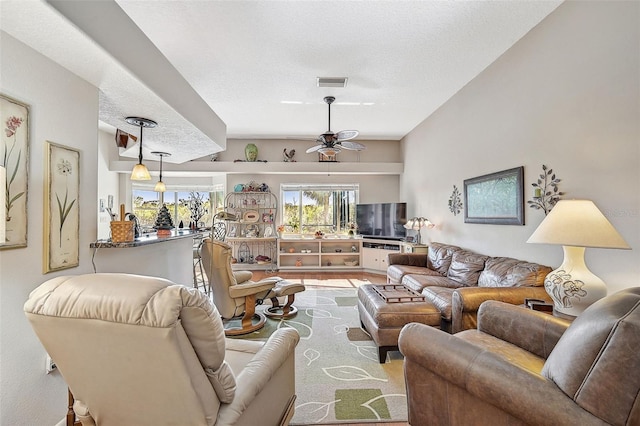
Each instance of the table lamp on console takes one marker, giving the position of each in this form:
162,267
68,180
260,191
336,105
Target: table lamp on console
416,224
576,224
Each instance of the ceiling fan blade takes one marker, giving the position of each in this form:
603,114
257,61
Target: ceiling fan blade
354,146
314,149
345,135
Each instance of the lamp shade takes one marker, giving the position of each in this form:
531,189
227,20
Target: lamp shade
334,150
140,172
416,224
577,223
160,186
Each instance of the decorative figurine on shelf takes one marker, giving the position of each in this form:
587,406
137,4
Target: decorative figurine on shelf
164,223
299,261
288,156
251,152
353,227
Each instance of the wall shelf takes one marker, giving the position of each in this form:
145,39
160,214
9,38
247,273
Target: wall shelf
253,234
209,168
326,253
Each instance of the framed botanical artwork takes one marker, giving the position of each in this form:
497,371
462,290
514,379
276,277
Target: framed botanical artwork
14,157
61,210
496,198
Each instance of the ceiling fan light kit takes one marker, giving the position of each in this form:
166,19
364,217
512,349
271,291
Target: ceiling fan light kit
330,143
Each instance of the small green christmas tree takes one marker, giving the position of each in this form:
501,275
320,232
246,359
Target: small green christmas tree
164,221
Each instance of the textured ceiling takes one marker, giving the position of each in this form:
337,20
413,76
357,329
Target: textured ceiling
255,63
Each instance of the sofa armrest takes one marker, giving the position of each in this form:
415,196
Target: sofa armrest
411,259
466,301
507,322
442,360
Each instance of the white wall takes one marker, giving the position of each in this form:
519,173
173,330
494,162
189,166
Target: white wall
64,109
108,183
566,95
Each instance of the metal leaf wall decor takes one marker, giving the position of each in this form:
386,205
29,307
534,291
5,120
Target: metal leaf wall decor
455,203
546,192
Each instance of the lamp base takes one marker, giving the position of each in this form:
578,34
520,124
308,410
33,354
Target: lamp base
573,287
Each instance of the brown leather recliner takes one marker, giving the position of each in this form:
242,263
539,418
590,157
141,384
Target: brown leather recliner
525,367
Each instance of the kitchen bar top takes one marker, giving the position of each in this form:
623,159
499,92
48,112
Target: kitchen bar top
147,239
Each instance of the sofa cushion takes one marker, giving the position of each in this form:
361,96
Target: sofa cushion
441,299
597,354
418,282
507,272
439,257
395,273
466,267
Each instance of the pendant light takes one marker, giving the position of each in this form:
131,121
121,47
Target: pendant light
140,171
160,186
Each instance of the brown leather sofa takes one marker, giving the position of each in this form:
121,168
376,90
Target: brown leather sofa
457,281
526,367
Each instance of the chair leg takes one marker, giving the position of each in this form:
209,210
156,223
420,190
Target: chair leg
202,281
286,311
248,318
203,277
249,310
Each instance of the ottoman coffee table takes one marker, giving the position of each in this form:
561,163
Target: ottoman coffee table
385,309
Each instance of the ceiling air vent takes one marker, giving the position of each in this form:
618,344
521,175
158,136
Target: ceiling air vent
332,81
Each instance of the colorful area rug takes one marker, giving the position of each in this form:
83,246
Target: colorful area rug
338,377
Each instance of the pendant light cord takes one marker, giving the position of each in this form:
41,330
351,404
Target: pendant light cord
140,154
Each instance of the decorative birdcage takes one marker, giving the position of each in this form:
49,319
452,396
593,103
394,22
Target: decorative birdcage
244,253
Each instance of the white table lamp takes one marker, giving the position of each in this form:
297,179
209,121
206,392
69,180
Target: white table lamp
576,224
416,224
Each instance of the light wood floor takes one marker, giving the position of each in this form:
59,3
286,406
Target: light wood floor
326,279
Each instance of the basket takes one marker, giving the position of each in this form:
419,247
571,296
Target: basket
122,231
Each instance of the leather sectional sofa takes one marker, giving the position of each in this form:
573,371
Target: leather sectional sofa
456,281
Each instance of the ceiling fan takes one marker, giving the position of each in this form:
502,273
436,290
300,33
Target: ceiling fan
330,143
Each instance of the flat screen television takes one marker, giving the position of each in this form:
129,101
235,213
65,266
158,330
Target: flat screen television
382,220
